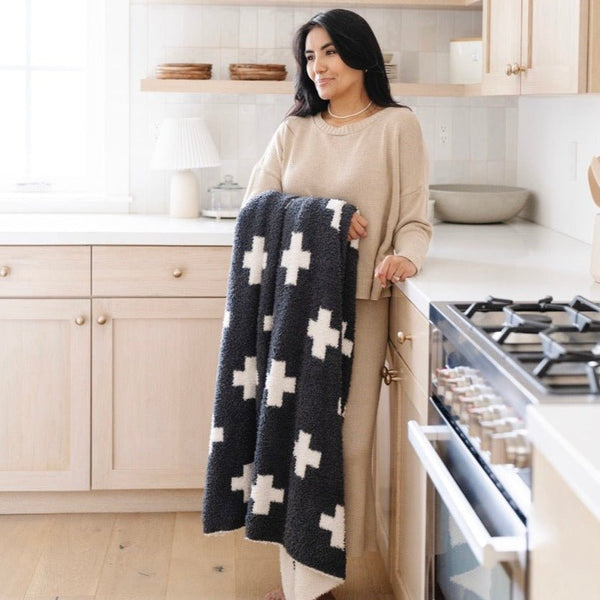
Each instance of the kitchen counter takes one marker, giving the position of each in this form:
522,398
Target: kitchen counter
100,229
518,260
568,437
522,261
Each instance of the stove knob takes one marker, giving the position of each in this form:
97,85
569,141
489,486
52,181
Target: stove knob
489,412
511,448
488,428
463,404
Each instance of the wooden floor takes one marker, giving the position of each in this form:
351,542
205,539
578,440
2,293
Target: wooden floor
147,556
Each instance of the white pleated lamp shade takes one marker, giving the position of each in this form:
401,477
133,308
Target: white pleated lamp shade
184,144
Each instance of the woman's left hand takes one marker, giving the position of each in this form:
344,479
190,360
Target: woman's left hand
394,269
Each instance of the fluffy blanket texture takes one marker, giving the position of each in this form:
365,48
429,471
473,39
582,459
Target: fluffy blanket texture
275,463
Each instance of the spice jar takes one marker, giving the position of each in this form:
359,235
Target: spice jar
225,199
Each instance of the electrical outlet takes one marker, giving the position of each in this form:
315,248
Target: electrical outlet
444,135
155,130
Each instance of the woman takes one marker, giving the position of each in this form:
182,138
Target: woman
347,138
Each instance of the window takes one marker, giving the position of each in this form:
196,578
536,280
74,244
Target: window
64,105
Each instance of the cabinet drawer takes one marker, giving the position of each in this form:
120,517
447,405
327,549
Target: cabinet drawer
30,271
409,334
160,270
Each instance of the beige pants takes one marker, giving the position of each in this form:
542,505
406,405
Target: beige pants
370,342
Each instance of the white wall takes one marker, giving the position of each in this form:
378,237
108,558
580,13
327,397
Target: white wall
557,138
482,141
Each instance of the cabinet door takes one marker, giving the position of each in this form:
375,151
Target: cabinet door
153,382
535,47
501,46
554,47
408,544
384,469
45,395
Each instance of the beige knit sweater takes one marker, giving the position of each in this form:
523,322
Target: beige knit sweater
378,164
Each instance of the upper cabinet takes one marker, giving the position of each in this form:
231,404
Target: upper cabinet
539,47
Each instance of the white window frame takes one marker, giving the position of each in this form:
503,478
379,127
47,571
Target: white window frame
114,80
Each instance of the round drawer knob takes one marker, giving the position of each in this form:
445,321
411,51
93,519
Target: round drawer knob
101,320
4,271
177,273
403,337
517,68
80,320
509,70
389,375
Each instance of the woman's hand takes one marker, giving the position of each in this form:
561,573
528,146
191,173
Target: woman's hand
394,269
358,227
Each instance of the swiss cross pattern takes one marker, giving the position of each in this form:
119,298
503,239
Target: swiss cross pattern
264,493
304,455
255,260
294,258
336,525
322,333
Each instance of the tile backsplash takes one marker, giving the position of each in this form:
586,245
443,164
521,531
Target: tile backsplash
480,143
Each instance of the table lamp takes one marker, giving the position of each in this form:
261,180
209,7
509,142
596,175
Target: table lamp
182,145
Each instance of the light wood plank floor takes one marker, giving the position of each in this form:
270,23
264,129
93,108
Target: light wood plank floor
147,556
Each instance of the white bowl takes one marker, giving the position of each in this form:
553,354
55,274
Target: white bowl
471,203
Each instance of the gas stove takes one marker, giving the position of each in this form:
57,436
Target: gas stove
490,359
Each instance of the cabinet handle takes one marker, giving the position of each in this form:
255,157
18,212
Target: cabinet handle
517,68
80,320
403,337
4,271
509,69
389,375
177,273
101,320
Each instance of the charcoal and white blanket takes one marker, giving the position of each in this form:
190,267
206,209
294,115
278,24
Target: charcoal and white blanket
275,464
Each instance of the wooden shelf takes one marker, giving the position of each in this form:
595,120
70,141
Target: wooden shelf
227,86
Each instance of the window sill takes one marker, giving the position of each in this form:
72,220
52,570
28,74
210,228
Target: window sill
63,203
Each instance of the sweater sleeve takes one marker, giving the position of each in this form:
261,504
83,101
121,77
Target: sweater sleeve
413,230
267,172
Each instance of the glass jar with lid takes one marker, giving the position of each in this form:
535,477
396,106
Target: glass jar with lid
225,199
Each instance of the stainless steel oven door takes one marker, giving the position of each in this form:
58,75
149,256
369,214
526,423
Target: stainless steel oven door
477,545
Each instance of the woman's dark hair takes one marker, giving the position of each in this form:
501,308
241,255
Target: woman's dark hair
357,46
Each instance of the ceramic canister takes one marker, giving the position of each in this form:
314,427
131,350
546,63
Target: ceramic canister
465,60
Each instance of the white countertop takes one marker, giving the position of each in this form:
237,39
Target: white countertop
518,260
80,229
568,438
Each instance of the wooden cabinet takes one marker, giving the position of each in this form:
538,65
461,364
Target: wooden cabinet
45,368
402,488
564,557
538,47
153,388
113,349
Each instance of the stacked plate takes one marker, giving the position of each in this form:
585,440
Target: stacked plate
257,71
184,71
391,71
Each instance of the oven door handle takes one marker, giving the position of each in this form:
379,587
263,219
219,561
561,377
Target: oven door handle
488,550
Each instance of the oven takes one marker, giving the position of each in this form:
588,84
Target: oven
489,360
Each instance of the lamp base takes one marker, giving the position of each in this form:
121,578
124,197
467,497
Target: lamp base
184,201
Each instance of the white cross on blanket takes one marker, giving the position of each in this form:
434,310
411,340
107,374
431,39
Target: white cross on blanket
322,334
334,524
294,258
277,383
264,493
305,457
